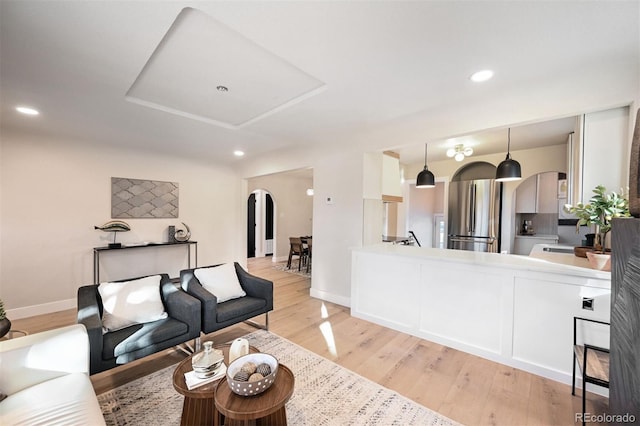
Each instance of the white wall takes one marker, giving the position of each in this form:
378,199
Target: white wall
293,208
337,227
55,191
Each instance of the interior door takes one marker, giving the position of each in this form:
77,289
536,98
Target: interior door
251,226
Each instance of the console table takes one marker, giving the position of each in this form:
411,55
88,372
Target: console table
98,250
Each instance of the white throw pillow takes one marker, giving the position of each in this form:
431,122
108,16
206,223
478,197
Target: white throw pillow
221,281
131,302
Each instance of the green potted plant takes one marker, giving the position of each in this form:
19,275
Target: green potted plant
5,324
599,211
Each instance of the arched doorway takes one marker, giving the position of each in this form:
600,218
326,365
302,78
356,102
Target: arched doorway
260,224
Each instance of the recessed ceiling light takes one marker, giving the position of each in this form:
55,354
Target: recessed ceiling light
222,88
480,76
27,110
238,153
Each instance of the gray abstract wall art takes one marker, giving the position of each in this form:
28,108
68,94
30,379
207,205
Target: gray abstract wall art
137,198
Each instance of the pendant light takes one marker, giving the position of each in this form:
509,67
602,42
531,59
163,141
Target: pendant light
509,169
425,178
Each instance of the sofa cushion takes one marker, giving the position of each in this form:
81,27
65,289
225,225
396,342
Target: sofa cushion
130,302
140,336
68,399
221,281
238,307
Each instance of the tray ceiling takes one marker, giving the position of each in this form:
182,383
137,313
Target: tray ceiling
206,71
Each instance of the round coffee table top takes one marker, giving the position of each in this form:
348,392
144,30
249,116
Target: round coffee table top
254,407
206,390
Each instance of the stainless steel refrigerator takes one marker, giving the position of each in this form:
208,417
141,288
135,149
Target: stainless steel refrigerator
474,215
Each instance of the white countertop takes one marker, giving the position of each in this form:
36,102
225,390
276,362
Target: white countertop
557,263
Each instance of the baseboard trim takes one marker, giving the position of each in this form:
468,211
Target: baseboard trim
45,308
330,297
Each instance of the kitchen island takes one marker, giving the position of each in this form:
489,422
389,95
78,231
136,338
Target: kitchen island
516,310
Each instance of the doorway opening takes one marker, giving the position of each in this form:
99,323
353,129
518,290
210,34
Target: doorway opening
425,214
260,224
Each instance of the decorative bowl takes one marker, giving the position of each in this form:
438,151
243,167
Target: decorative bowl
251,387
581,251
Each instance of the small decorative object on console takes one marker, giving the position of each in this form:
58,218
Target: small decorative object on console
5,324
114,226
183,235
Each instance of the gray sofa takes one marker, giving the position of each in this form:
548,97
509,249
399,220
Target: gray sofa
112,348
215,316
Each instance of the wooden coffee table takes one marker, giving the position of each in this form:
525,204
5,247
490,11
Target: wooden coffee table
199,406
267,408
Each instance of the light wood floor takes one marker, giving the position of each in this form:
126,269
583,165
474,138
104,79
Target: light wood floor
466,388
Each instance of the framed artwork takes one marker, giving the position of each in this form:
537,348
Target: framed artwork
137,198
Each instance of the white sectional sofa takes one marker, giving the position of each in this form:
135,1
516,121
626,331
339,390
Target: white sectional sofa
46,379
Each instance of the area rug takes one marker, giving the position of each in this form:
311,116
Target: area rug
294,269
325,394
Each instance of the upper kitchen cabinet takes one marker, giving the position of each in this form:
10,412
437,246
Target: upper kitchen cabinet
538,194
597,152
391,181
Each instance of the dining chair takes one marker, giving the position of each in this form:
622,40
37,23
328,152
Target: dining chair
296,249
309,243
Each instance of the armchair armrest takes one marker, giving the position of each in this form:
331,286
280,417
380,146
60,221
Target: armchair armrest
182,306
90,316
39,357
255,286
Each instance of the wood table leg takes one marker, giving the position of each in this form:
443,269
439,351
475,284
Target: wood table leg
279,418
198,411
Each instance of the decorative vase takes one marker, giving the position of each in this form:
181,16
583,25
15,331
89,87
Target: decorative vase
239,347
205,362
5,326
599,261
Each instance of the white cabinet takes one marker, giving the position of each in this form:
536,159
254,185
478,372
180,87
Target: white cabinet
391,181
514,310
598,153
526,195
538,194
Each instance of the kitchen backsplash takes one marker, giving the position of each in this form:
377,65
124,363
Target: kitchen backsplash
547,224
542,223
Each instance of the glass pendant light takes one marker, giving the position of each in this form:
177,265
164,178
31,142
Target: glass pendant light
509,169
425,178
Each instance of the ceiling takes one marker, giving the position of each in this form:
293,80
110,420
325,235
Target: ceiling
145,74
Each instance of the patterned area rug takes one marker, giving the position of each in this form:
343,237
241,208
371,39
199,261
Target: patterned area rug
325,394
294,269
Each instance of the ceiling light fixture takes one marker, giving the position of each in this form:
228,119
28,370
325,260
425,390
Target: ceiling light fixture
481,76
425,178
509,169
222,88
27,110
238,153
459,152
